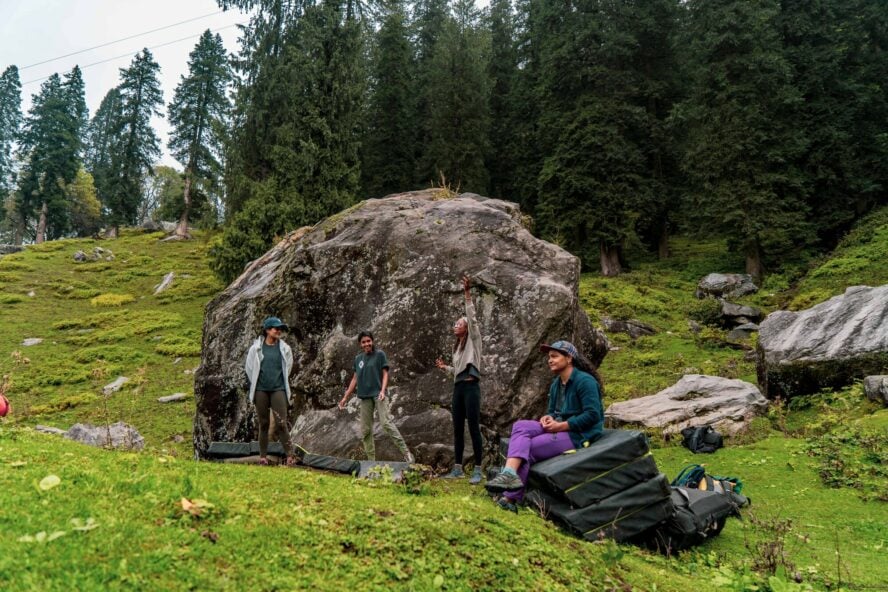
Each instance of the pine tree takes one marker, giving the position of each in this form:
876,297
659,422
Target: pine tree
135,145
458,120
197,115
51,152
743,138
389,148
10,124
100,139
502,72
599,124
294,158
836,49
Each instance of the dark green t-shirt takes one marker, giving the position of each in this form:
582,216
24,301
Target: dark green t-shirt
271,370
369,368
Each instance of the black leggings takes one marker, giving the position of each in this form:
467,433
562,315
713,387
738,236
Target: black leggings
466,405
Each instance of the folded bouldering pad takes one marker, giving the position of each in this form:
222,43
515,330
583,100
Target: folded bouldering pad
238,449
621,516
599,486
615,448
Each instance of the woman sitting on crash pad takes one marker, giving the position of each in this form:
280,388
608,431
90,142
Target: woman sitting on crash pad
575,417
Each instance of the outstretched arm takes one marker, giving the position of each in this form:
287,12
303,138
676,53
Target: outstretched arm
351,388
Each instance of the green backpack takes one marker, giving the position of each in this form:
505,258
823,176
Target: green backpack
695,477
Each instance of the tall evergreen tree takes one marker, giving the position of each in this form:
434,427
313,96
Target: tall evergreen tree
598,126
429,18
10,125
51,152
743,133
135,145
295,154
837,51
389,148
456,130
100,140
502,72
197,115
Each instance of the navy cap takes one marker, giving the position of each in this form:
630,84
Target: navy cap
565,347
272,322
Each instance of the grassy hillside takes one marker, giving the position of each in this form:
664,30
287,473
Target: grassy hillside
99,320
815,471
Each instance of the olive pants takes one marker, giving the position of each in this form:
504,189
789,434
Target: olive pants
388,426
268,402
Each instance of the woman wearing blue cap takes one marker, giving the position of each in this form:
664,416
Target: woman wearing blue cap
268,365
575,417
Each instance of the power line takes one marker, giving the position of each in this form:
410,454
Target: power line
67,55
132,53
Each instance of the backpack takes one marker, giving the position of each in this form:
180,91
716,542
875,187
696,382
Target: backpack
696,477
701,439
699,515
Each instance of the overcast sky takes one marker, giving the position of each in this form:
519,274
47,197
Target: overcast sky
37,31
33,31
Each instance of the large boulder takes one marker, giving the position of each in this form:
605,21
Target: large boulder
826,346
695,400
733,315
726,285
392,266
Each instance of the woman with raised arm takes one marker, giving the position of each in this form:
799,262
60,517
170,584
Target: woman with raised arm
466,372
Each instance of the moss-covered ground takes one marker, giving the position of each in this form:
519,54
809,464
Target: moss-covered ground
815,470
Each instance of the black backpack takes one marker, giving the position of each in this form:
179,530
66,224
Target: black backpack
701,439
699,515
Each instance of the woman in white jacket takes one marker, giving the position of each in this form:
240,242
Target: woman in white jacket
268,365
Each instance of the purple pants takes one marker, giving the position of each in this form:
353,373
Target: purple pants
531,444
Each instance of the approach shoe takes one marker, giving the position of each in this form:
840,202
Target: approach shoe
409,458
455,473
504,482
475,479
505,504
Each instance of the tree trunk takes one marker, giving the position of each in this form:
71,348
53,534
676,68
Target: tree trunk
610,260
754,265
41,224
19,237
182,228
663,240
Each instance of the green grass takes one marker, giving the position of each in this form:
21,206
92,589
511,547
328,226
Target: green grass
860,259
812,469
99,320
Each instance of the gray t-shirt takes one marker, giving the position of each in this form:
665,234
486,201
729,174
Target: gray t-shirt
271,370
368,368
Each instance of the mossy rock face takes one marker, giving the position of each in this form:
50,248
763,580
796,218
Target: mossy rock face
826,346
392,266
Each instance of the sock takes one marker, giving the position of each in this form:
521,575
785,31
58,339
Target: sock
510,471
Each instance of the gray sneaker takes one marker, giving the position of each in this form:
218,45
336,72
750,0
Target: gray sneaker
408,456
504,482
455,473
475,479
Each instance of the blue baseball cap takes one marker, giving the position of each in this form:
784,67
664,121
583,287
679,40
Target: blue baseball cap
564,347
272,322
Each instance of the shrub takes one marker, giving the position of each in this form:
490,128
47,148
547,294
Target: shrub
112,299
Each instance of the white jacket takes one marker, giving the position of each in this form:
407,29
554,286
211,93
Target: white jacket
254,363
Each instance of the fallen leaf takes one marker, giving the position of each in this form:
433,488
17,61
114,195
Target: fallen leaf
49,482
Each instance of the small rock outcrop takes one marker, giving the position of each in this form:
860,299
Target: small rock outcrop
9,249
826,346
115,386
724,403
631,327
742,332
98,254
392,266
31,341
734,315
174,398
876,388
726,285
117,435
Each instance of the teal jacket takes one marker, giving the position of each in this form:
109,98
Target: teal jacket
582,408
